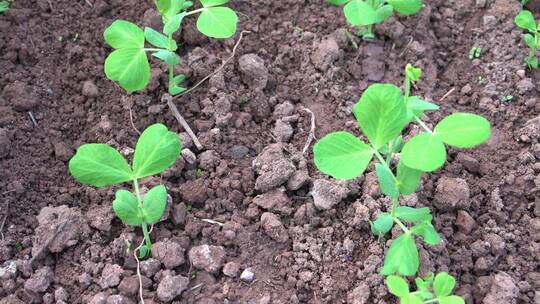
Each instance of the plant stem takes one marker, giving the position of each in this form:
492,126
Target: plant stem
431,301
422,124
394,205
401,225
195,11
152,49
140,205
146,235
171,67
407,87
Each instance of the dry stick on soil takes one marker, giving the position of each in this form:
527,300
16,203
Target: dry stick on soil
311,135
4,221
447,94
139,265
32,119
131,120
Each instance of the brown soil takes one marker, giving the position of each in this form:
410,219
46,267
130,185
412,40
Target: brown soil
51,58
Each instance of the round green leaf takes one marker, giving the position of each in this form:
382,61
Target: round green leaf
342,155
381,113
383,13
427,232
173,24
424,152
129,67
529,40
154,204
157,149
406,7
382,225
411,299
408,179
217,22
157,39
443,284
410,214
126,208
451,300
209,3
99,165
402,257
358,12
525,20
397,286
463,130
124,34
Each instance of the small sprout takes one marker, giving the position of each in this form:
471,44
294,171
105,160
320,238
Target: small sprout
244,100
100,165
19,246
198,172
475,53
507,98
524,2
432,289
60,39
525,20
189,207
351,39
76,37
4,5
367,13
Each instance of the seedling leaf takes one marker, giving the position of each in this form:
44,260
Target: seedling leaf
209,3
169,57
414,103
381,113
126,208
397,286
412,215
451,300
384,12
157,39
408,179
425,152
337,2
99,165
411,299
124,34
406,7
463,130
173,24
387,181
143,251
427,232
156,150
154,204
217,22
525,20
342,155
358,12
382,225
129,67
402,257
443,284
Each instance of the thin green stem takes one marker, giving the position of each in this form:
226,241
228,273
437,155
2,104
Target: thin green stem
407,87
394,205
152,50
140,206
431,301
146,235
171,67
422,124
401,225
195,11
137,192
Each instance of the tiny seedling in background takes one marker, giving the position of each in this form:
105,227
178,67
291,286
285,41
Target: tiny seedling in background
432,289
475,53
524,2
128,63
383,112
4,6
525,20
367,13
507,98
100,165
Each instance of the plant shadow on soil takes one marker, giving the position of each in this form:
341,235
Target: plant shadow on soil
253,177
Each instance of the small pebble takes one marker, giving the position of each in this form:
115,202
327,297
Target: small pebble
247,275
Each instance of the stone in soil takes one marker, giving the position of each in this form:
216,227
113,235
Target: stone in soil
247,275
452,193
171,287
254,72
208,258
119,299
150,267
110,276
275,199
327,51
20,96
100,217
359,295
273,227
231,269
503,290
273,167
39,281
170,253
328,193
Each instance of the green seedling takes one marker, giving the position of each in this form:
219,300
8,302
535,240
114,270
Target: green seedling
383,112
432,289
525,20
4,6
475,53
128,63
367,13
100,165
507,98
524,2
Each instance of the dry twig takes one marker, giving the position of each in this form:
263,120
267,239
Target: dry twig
168,99
447,94
131,120
311,135
139,266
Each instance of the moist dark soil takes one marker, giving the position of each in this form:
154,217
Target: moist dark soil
246,205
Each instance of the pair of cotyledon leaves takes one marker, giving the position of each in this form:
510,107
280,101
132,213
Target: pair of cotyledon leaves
101,165
443,284
361,13
382,114
128,63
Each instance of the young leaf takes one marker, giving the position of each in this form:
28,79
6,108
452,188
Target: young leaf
217,22
451,300
169,57
209,3
411,299
156,150
129,67
178,79
402,257
337,2
427,232
382,225
175,90
123,34
423,289
99,165
387,181
342,155
406,7
397,286
425,152
418,106
358,12
173,24
412,215
154,204
143,251
381,113
408,179
157,39
529,40
384,12
126,208
525,20
443,284
463,130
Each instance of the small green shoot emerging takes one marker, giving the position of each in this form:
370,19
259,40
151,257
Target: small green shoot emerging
432,289
475,53
367,13
4,5
100,165
525,20
383,112
128,63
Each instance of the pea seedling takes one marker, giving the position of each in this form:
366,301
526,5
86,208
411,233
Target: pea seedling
525,20
432,289
4,6
475,53
382,113
100,165
367,13
128,63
